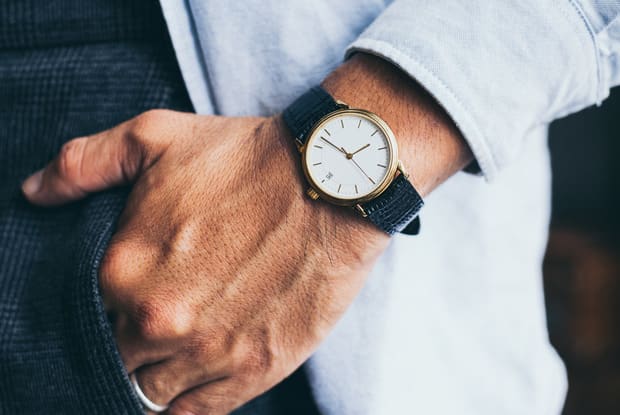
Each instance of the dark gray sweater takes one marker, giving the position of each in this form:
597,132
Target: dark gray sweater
70,68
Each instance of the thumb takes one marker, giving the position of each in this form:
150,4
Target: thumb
88,164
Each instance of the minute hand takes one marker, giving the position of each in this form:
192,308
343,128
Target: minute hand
362,170
333,145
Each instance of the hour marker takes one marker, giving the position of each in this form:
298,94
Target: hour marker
339,187
316,164
323,181
359,123
376,131
342,123
317,146
382,148
356,189
327,132
381,165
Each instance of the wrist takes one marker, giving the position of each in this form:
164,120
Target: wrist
430,144
382,98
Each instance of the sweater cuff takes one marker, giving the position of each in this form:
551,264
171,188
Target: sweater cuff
99,370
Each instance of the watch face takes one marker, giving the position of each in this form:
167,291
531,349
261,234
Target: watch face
350,156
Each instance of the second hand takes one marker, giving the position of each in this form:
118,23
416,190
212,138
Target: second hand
362,170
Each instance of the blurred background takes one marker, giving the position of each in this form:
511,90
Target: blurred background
582,265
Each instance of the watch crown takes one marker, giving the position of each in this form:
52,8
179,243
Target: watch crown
312,194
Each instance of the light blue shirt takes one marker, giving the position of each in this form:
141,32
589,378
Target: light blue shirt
452,321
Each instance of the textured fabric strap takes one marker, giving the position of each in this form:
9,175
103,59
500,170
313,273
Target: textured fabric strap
302,114
396,209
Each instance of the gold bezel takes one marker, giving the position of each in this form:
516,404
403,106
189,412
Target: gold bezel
393,152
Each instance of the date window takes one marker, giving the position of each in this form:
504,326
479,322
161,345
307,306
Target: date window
329,175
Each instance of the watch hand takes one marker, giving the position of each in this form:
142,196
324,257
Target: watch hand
333,145
362,170
358,150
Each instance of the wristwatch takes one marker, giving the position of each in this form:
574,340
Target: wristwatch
350,158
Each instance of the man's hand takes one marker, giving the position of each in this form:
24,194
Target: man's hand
222,276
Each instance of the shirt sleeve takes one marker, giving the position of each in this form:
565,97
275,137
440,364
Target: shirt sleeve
502,68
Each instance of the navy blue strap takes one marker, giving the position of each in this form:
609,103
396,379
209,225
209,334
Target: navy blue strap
309,108
394,210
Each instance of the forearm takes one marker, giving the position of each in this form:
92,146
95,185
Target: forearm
431,146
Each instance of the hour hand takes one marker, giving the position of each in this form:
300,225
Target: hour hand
360,149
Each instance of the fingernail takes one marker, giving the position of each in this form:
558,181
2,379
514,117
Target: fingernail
33,183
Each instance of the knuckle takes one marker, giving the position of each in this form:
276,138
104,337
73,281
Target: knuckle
127,263
214,343
256,359
113,261
161,320
199,351
149,320
115,272
156,114
70,159
146,126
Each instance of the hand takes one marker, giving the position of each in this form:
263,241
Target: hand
222,276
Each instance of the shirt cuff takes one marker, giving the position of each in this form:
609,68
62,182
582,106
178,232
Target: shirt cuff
498,69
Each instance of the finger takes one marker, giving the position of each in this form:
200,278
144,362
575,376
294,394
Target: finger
164,381
215,398
133,349
123,273
148,337
84,165
90,164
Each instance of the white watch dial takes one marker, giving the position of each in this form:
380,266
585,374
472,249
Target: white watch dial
348,156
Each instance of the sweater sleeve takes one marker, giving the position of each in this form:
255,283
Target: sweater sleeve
502,68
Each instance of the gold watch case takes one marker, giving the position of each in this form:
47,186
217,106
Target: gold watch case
393,168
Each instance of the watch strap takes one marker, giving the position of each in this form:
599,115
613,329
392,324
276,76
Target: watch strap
306,110
396,209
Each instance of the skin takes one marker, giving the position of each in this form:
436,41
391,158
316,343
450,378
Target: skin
223,277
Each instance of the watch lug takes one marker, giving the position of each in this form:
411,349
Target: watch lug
402,170
360,210
300,146
312,194
342,104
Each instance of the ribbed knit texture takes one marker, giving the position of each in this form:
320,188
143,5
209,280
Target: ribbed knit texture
31,23
69,68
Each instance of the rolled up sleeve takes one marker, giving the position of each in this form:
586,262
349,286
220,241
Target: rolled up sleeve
499,69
